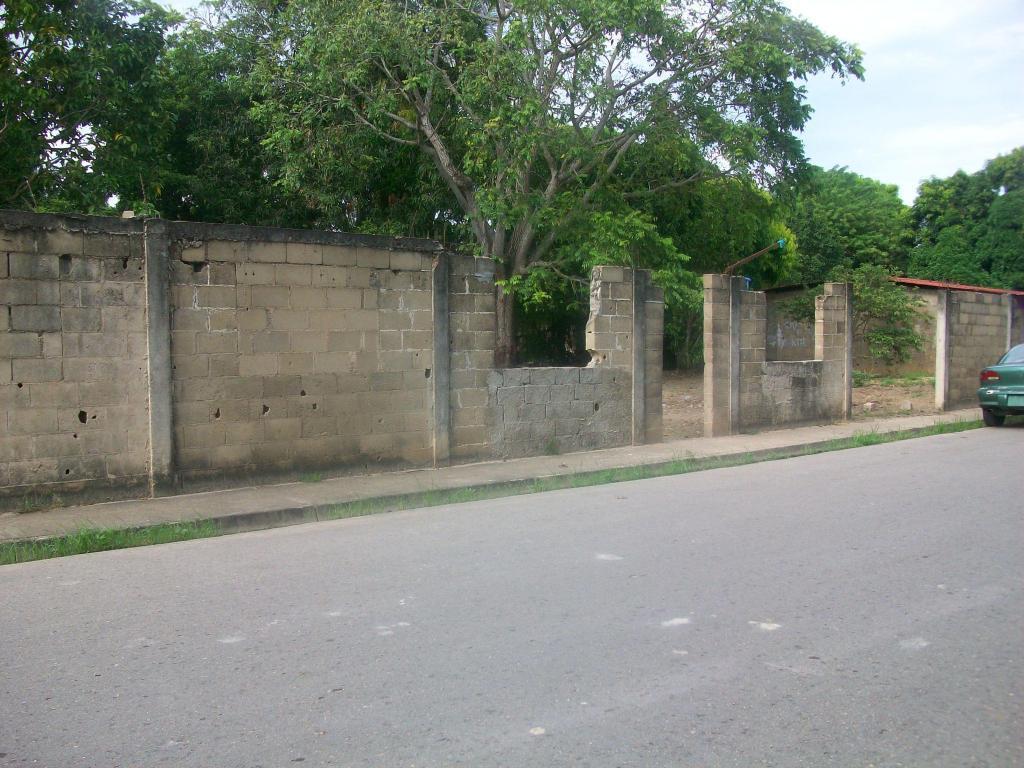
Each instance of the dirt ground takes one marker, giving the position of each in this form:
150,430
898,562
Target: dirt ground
683,401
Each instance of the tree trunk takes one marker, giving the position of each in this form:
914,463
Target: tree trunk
505,347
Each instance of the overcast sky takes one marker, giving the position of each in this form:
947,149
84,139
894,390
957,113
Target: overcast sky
944,87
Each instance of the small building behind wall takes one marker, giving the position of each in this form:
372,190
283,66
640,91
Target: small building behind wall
744,390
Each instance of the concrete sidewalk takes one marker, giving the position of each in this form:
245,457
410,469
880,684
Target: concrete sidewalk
267,506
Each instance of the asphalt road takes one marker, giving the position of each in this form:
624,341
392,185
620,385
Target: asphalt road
858,608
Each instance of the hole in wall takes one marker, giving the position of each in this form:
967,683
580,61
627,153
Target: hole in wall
198,266
124,263
20,385
302,393
597,407
65,264
93,417
314,406
216,414
426,374
266,409
82,416
75,435
67,471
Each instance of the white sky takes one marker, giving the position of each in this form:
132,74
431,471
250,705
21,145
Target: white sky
943,89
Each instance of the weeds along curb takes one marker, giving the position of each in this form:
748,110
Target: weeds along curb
103,540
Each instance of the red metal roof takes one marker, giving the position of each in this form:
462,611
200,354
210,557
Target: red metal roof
952,286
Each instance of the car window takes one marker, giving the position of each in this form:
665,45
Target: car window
1015,355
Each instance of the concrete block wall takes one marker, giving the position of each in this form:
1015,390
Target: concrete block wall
299,350
73,350
744,390
471,315
790,339
559,410
974,329
615,400
137,354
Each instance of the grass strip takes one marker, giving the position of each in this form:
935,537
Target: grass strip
105,539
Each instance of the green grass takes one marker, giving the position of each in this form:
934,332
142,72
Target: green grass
99,540
102,540
863,378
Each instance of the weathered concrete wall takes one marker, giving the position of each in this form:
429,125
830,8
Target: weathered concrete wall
790,339
743,390
298,351
974,330
137,353
559,410
1017,322
73,347
615,400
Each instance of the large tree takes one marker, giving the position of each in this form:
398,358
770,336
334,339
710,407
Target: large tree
969,228
844,220
528,112
74,75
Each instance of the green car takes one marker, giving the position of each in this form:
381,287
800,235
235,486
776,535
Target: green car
1001,393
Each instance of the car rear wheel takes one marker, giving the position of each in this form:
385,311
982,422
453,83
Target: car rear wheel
991,418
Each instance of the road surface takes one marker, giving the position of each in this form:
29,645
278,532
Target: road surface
857,608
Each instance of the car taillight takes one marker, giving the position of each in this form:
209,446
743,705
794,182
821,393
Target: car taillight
989,376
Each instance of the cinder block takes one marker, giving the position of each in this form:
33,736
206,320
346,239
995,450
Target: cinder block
34,266
59,241
296,363
35,318
258,365
270,296
374,258
266,252
215,296
408,260
289,320
32,421
18,292
102,294
304,253
339,255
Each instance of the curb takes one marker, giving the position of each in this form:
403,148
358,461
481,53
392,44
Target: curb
327,511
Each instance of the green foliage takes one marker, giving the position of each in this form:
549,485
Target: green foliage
884,312
969,228
76,77
845,220
537,118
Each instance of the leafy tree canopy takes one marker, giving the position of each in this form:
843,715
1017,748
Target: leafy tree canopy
969,228
842,219
529,112
74,76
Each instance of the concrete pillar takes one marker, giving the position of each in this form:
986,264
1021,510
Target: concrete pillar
640,278
158,315
654,331
943,315
833,344
1008,298
722,313
441,366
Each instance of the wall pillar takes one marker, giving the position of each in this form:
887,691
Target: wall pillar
158,312
441,368
640,278
833,344
654,331
722,313
943,314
